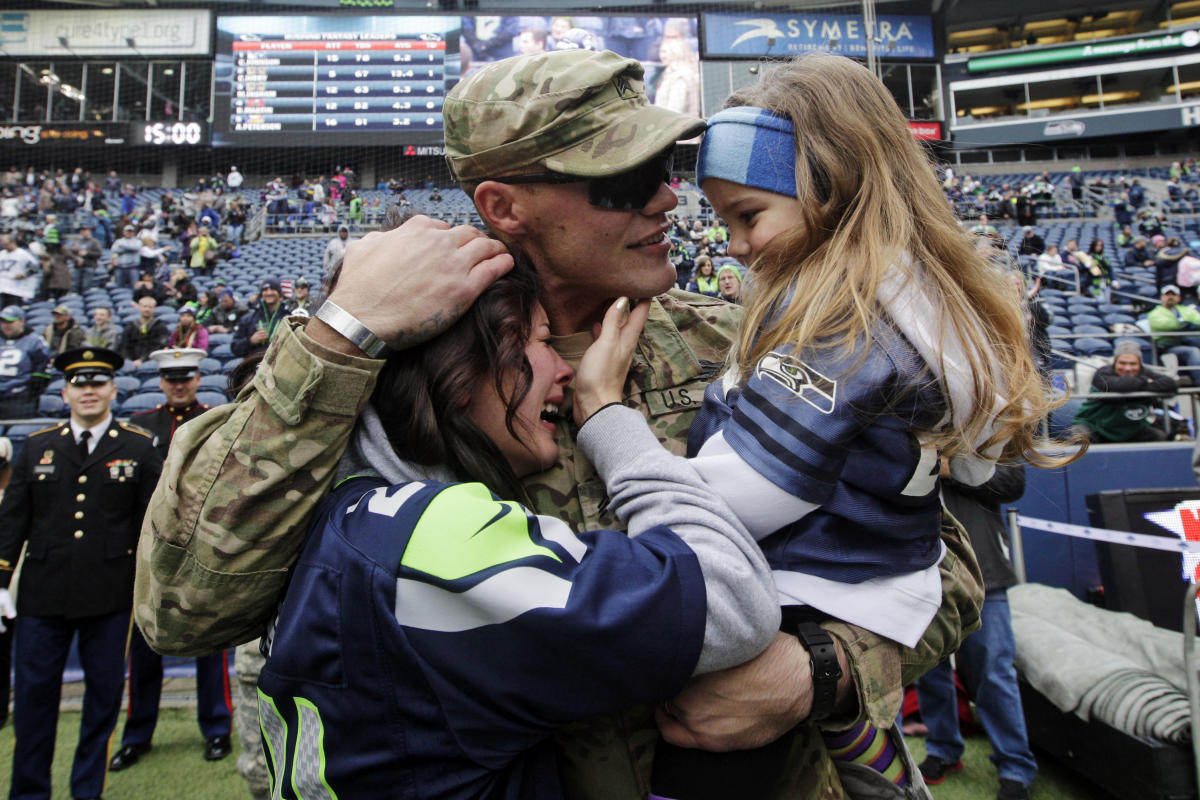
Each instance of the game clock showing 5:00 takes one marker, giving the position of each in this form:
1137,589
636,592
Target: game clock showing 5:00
167,133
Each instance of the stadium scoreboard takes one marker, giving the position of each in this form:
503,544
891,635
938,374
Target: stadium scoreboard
325,85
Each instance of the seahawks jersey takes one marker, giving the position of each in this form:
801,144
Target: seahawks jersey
816,454
20,359
433,637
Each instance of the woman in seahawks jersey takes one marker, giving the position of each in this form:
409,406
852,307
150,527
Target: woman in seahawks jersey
435,632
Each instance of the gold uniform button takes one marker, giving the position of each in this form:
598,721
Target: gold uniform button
78,534
83,479
78,515
79,498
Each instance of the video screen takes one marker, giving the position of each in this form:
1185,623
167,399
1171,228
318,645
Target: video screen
339,80
332,80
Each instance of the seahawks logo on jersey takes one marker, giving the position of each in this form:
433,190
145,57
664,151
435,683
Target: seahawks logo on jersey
818,390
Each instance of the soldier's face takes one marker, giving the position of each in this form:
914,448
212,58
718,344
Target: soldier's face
89,402
180,392
586,254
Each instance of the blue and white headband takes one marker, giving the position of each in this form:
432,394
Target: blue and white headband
751,147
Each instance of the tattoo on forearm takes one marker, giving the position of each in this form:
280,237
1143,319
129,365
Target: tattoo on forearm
428,328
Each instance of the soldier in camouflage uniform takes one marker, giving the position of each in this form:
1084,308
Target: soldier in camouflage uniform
239,486
251,764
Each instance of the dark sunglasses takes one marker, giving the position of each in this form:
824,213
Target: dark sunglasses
626,191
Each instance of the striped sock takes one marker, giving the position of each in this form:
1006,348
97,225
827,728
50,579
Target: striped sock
870,747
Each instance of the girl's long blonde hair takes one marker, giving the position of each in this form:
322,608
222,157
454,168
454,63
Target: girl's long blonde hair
869,198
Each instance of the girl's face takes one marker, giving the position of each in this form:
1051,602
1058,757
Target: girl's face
754,216
706,269
536,449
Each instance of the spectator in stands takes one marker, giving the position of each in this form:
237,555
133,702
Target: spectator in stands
1174,190
235,219
25,356
203,249
984,227
234,179
302,296
255,330
180,289
1149,225
57,266
336,248
1137,195
1125,236
1139,255
104,332
1116,420
145,334
1123,210
62,333
1051,264
206,304
20,273
147,286
112,184
1096,277
1031,243
704,281
126,258
227,313
1166,263
151,257
188,333
85,252
1173,316
729,279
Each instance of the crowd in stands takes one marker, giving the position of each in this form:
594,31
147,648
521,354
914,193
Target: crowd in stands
101,261
1102,288
105,264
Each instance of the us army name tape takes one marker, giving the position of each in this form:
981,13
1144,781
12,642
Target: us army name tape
1106,535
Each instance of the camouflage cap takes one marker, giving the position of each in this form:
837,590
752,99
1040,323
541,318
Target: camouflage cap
575,112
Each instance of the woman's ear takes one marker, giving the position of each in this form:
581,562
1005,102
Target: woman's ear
501,206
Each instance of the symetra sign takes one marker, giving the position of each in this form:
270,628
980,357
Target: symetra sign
754,36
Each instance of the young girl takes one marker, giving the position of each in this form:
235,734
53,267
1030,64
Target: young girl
875,339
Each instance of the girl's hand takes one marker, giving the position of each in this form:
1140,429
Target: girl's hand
600,379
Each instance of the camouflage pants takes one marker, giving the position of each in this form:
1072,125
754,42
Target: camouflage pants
252,765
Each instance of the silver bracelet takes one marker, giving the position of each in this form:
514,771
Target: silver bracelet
347,325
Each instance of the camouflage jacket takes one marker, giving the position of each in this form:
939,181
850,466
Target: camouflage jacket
227,521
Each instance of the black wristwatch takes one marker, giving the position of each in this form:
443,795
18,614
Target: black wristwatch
826,671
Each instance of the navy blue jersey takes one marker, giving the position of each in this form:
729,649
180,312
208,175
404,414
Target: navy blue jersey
837,434
20,359
433,637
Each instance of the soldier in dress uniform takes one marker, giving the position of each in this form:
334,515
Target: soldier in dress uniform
179,378
75,504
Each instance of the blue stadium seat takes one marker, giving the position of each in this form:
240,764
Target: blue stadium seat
221,351
212,398
51,405
143,401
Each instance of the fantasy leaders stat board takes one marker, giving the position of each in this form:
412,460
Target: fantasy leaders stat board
333,80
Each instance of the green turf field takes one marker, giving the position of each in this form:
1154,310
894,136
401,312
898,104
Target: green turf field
176,770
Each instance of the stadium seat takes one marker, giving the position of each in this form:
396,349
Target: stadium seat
212,398
143,401
51,405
